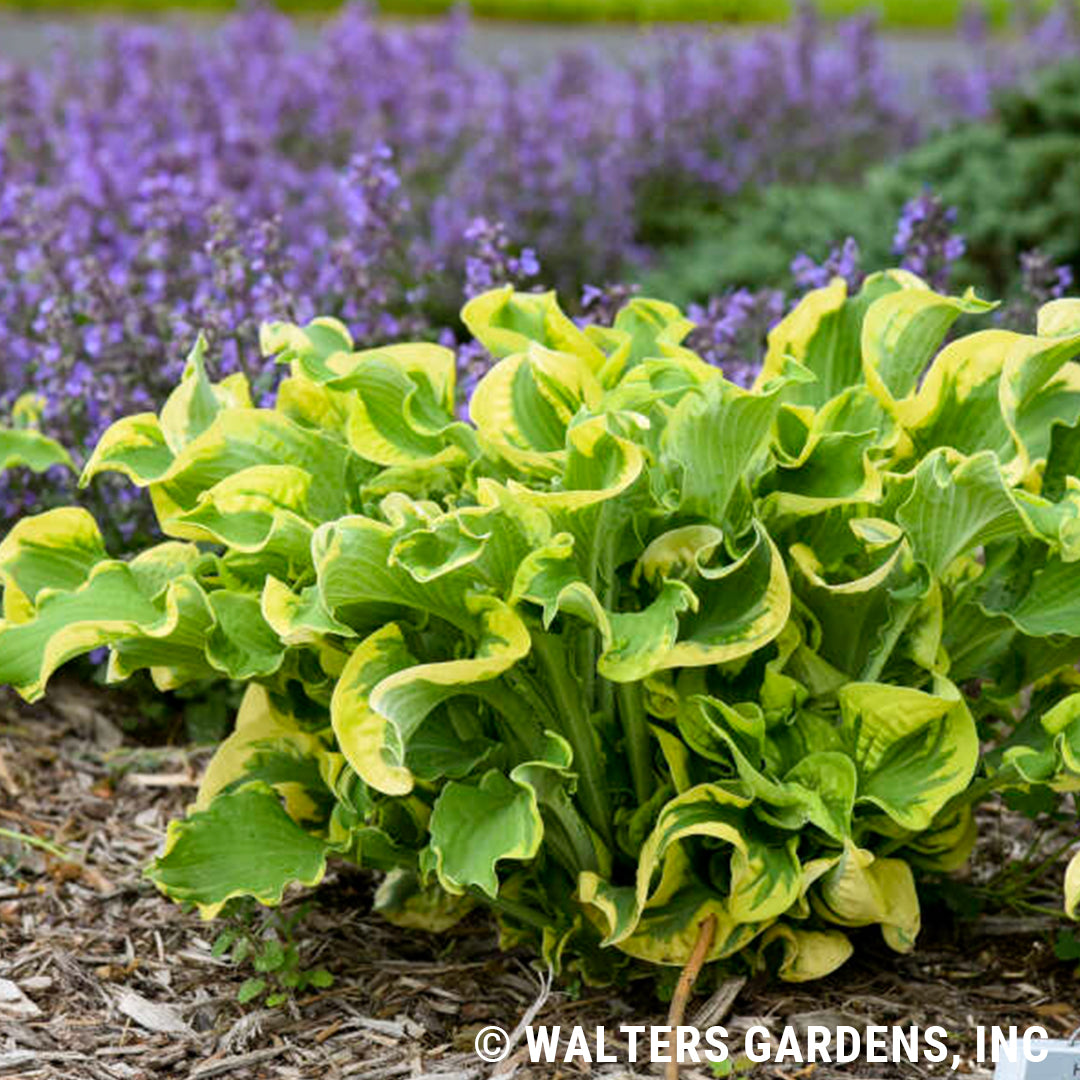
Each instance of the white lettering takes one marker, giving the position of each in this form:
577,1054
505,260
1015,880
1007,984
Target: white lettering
757,1043
544,1040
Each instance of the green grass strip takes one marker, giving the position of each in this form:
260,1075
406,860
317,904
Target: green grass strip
913,14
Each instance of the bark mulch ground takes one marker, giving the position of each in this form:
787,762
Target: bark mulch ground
102,978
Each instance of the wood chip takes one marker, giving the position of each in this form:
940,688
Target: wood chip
16,1059
237,1061
7,781
326,1032
154,1016
457,1074
719,1005
385,1072
382,1027
14,1003
161,780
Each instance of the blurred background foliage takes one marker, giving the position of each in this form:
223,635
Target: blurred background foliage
894,13
1013,179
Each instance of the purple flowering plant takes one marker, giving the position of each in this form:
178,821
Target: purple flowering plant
155,188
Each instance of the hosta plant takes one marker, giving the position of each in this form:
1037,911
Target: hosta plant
629,651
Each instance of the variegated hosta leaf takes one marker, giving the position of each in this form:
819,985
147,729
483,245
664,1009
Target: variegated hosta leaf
807,954
999,391
395,404
661,923
741,605
819,788
135,447
404,900
903,330
643,330
713,447
299,618
956,506
245,509
313,405
1050,604
552,779
174,651
363,586
28,449
241,643
1062,724
947,845
914,751
1028,757
508,323
523,406
601,469
385,697
476,826
193,406
55,550
650,389
853,615
700,614
317,349
144,447
268,744
828,462
634,644
1072,887
153,612
668,927
109,607
822,335
1040,389
237,439
862,890
242,844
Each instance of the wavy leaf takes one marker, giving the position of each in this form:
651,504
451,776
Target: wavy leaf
28,449
914,751
242,844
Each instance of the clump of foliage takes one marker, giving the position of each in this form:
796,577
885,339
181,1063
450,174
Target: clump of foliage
630,646
1027,157
1011,180
269,946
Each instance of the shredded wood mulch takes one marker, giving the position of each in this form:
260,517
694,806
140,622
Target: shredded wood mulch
100,977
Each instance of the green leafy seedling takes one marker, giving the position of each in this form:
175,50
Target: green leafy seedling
265,941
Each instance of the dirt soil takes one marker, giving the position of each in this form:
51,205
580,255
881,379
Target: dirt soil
100,977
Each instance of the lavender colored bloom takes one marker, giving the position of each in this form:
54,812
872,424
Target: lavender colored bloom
731,330
600,304
925,240
489,261
1041,280
967,88
844,261
473,363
